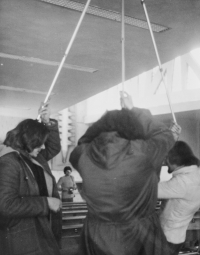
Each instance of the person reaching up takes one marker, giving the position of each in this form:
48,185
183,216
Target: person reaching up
119,159
30,217
182,192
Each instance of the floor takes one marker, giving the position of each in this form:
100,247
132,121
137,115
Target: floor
69,246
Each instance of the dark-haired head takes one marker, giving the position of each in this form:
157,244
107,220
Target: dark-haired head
27,135
124,122
182,155
67,168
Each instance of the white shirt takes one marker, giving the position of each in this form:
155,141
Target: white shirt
183,192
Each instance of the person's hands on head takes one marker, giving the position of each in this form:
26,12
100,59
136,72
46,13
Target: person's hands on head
126,100
176,130
44,112
54,204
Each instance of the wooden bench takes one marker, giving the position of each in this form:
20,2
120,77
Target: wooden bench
73,220
73,216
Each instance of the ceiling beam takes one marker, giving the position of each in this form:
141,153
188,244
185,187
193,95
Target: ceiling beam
47,62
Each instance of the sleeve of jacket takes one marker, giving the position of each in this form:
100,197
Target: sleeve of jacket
174,188
150,126
12,205
59,184
158,137
52,145
74,183
75,155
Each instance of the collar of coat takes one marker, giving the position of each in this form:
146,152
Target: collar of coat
185,170
6,149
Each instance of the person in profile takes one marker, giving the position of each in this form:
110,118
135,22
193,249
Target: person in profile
30,216
67,185
182,192
119,159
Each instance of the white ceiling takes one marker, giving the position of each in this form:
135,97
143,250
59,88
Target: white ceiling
34,36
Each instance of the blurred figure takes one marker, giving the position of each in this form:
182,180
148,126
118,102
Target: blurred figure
183,192
30,217
119,159
67,185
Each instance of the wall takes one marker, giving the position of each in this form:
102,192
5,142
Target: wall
7,123
190,124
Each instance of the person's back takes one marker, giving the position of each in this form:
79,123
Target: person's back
183,192
180,210
120,176
126,186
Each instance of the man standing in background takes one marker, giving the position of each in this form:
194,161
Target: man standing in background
67,185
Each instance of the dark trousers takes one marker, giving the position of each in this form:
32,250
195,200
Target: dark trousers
175,248
67,199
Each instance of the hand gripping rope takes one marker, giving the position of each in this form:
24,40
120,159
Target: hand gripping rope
123,53
158,59
66,53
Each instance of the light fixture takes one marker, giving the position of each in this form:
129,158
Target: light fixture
107,14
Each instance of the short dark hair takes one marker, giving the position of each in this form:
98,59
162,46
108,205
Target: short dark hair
125,122
182,155
66,169
27,135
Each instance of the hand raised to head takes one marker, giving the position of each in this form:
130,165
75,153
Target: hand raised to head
126,100
176,130
44,112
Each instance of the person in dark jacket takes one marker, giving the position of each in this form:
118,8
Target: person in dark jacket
30,217
119,159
